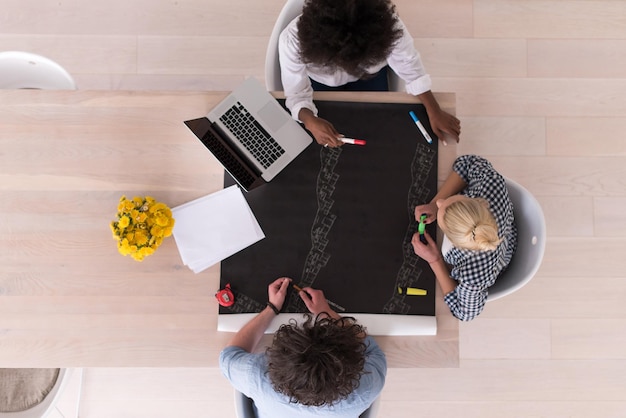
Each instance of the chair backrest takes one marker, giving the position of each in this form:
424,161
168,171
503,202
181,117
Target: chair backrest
244,407
291,10
531,242
45,407
372,411
395,82
24,70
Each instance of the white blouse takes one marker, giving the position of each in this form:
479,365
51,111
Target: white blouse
404,60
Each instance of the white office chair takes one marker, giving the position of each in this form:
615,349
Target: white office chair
244,407
531,243
24,70
291,10
31,394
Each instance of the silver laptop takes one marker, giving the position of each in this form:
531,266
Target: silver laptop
251,134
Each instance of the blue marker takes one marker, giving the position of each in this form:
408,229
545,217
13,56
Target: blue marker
421,127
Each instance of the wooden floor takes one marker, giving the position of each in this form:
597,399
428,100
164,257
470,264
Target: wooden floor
541,92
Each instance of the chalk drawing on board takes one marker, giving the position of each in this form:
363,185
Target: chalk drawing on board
419,193
317,257
245,304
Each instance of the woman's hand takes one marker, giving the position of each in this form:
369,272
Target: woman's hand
429,251
443,123
429,209
323,131
277,291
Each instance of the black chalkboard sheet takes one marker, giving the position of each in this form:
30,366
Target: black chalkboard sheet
341,220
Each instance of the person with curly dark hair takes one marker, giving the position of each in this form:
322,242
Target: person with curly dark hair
348,45
325,366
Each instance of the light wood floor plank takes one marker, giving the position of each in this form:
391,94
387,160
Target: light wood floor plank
147,17
586,136
571,257
564,215
200,18
69,17
568,296
97,304
515,136
111,348
526,380
201,55
192,82
156,392
423,19
505,339
549,19
565,176
603,58
473,57
609,216
589,338
540,97
509,409
106,383
92,322
108,54
214,407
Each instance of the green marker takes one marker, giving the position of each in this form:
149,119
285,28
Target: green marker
421,228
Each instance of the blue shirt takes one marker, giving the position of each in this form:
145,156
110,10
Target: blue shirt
248,374
476,271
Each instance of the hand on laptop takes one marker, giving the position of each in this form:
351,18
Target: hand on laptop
323,131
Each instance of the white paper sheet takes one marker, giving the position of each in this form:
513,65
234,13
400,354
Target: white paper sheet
214,227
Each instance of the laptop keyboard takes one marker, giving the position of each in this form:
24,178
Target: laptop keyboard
230,163
252,135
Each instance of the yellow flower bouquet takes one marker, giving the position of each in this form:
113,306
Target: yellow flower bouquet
141,225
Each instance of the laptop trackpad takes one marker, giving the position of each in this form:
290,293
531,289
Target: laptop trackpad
273,119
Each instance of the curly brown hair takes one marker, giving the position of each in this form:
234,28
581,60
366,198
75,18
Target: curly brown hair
351,35
317,363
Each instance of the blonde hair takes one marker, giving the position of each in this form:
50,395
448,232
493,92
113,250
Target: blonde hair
468,223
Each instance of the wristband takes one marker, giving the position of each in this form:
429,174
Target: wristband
274,308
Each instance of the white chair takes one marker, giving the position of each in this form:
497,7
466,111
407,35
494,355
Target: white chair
531,243
372,411
24,70
395,82
244,407
291,10
46,405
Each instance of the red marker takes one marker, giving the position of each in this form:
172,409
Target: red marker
352,141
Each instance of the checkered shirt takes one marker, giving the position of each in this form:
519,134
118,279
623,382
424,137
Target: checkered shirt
476,271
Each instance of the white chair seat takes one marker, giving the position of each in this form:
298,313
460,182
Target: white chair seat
24,70
44,406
